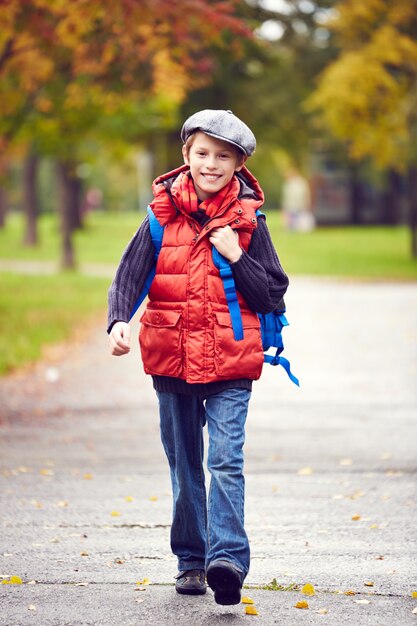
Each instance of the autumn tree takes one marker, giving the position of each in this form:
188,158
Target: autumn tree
67,64
368,95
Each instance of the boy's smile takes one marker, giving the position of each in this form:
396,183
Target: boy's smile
212,164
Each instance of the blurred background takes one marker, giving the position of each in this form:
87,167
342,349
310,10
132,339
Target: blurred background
93,95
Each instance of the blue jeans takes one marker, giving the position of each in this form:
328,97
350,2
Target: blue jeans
204,530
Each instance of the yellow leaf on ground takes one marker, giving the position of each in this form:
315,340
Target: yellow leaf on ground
88,476
145,581
414,594
153,498
305,471
247,600
115,514
129,499
355,518
251,610
46,472
369,584
308,590
350,593
301,605
13,580
84,553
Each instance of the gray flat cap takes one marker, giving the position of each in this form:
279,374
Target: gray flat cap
221,125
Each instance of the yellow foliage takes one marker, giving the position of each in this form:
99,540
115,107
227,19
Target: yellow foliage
247,600
368,95
251,610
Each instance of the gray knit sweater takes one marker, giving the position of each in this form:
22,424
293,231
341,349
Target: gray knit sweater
258,276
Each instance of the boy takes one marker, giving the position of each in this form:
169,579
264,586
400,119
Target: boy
201,374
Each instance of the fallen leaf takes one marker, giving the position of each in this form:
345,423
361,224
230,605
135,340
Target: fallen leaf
247,600
32,607
251,610
301,605
145,581
153,498
13,580
129,499
139,600
84,553
88,476
362,601
140,588
321,611
374,526
46,472
305,471
414,594
369,584
32,582
308,590
115,514
62,504
355,518
349,593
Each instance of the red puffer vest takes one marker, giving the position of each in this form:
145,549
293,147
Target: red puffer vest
186,330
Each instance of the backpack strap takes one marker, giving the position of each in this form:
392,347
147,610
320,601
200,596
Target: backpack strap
226,274
157,232
271,323
271,330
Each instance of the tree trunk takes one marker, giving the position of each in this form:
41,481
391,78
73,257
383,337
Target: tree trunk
65,212
30,199
3,207
391,200
412,207
75,197
355,195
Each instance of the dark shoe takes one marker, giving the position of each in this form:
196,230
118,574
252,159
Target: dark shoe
225,580
192,582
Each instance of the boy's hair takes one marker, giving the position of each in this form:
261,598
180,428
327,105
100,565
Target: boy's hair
240,156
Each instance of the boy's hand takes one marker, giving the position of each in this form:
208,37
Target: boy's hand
119,339
226,241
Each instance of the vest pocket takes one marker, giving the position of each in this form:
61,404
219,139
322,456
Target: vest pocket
237,359
159,340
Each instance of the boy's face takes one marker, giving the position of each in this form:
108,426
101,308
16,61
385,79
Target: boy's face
212,164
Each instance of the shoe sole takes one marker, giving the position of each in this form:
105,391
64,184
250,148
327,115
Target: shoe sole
225,583
190,592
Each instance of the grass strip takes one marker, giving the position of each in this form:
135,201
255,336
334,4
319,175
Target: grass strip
37,311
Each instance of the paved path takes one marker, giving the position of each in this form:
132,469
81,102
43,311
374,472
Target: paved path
331,478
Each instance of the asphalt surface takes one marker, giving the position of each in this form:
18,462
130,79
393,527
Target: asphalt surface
330,473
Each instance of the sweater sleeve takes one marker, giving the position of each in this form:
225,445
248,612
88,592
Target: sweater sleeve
131,274
258,273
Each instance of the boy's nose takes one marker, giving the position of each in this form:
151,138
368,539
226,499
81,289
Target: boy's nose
211,162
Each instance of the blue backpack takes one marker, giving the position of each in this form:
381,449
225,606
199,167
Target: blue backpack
271,323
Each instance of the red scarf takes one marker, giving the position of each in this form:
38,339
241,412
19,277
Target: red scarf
185,196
